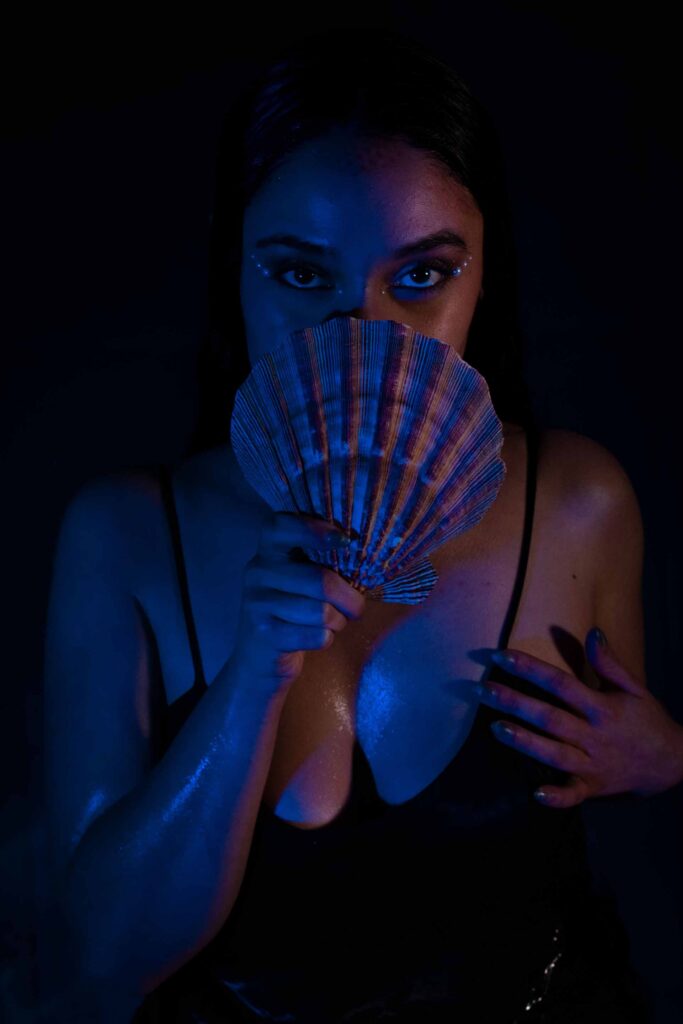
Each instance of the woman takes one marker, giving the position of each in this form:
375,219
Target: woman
330,831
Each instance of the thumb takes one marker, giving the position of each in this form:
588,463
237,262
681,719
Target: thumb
606,663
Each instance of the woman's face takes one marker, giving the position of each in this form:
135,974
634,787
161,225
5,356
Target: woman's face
348,207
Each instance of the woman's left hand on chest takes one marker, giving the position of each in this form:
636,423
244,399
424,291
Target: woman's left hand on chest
617,740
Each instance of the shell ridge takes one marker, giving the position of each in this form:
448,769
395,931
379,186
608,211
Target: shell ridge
381,430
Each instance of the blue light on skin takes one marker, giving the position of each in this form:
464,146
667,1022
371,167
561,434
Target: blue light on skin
364,199
361,201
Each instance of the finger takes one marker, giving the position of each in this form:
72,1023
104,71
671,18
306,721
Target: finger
287,530
561,797
311,581
555,721
564,756
605,662
549,677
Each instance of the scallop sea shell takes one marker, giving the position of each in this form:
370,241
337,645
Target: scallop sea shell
376,429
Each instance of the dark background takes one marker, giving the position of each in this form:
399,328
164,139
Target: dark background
109,129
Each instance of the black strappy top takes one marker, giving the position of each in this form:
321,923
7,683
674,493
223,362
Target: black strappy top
470,902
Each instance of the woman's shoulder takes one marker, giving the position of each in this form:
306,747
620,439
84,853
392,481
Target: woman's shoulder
583,470
116,515
208,498
569,454
582,488
121,496
595,506
602,510
577,474
134,490
111,499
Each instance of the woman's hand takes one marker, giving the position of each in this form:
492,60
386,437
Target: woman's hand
615,741
289,607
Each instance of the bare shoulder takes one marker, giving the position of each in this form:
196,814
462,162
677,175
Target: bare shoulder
596,483
584,470
595,492
115,492
130,505
571,466
111,521
99,501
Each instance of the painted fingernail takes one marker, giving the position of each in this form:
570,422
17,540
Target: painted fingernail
541,794
600,637
503,730
503,659
337,539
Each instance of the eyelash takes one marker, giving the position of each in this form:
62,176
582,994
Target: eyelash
449,268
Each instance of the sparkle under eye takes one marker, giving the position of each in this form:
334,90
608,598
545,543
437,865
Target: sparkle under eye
448,269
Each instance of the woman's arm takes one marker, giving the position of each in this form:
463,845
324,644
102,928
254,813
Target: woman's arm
618,547
619,554
615,737
148,858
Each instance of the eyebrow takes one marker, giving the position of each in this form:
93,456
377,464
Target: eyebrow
443,237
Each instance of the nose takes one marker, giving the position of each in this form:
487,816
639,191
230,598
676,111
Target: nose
372,307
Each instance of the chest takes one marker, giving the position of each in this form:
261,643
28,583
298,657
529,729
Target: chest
399,680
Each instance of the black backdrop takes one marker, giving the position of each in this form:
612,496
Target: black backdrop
108,136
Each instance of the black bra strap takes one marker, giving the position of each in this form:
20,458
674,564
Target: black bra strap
532,442
169,502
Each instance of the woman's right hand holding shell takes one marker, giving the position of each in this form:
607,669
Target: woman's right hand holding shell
290,607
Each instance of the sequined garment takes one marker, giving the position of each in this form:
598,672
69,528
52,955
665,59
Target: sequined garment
469,902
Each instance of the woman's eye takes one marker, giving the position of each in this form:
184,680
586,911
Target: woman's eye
420,276
300,271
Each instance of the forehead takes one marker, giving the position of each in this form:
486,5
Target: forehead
344,184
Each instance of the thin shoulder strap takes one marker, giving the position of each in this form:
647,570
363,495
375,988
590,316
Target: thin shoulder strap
532,445
169,502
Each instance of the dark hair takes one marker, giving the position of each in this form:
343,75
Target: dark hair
385,85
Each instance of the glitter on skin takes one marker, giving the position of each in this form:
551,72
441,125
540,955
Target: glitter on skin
191,783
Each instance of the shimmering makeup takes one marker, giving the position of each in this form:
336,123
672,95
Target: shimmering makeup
276,268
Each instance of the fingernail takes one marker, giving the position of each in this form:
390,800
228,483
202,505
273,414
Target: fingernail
600,637
336,538
331,538
503,659
541,794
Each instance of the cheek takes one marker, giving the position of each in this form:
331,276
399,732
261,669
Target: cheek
463,314
270,314
452,333
259,316
265,324
450,323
